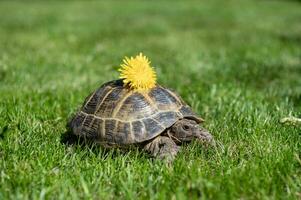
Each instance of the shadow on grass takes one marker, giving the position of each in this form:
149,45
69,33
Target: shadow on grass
3,132
69,139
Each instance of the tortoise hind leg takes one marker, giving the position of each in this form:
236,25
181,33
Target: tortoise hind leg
162,147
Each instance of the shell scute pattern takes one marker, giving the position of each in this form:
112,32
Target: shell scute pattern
92,101
153,127
109,130
90,126
135,107
106,108
163,99
116,115
138,128
76,123
122,133
167,119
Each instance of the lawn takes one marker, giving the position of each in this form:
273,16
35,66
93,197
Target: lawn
237,63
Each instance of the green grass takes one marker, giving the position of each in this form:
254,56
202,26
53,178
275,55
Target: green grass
237,63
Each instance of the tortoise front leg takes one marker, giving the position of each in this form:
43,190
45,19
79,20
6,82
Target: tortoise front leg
163,148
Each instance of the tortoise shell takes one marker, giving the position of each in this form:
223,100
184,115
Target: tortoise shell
114,114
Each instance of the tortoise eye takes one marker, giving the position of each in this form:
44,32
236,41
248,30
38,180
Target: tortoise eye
186,127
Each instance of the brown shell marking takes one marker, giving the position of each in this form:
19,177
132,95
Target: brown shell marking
116,115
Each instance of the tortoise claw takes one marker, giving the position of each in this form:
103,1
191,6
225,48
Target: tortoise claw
163,148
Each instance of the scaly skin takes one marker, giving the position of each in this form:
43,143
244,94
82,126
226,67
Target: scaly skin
167,145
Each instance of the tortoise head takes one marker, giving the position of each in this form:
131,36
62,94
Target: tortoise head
186,130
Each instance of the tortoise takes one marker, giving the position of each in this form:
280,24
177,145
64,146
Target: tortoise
158,120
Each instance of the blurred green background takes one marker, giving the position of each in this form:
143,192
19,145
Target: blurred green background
237,63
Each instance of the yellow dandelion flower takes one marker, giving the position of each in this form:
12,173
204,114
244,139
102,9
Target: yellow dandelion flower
137,73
